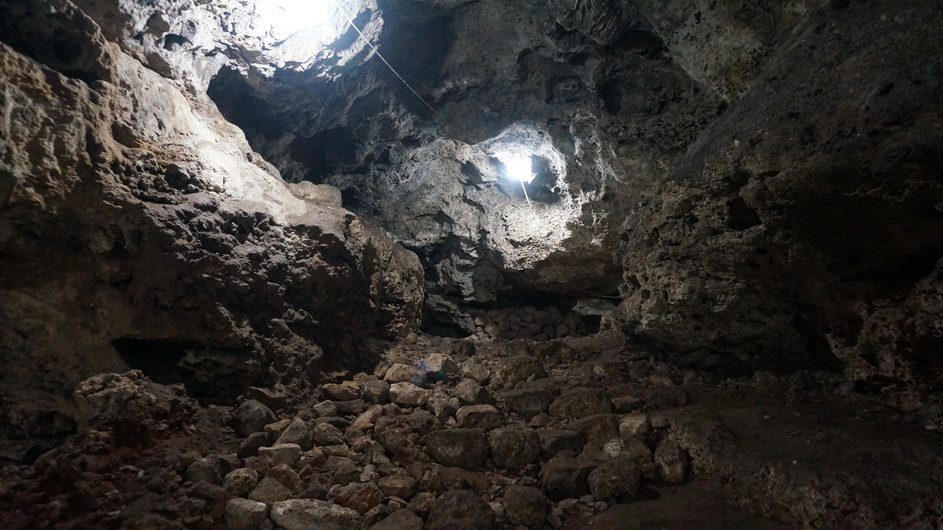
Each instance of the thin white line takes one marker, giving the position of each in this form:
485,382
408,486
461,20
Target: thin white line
377,51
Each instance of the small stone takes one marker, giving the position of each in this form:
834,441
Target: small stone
408,394
402,373
634,425
660,421
475,370
343,469
438,366
460,509
376,514
442,405
377,392
286,476
305,514
580,403
514,447
314,457
421,503
296,433
598,428
636,448
524,505
510,371
341,392
252,416
251,444
565,478
280,454
367,446
205,470
497,508
336,450
661,380
671,462
465,448
350,408
359,497
398,485
274,430
469,392
442,478
527,402
269,491
626,404
243,514
325,434
400,520
240,482
363,423
325,409
555,441
479,417
615,478
340,423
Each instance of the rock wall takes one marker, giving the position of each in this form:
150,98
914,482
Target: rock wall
808,214
139,229
765,175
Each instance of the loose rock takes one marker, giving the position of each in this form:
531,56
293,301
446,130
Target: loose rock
469,392
280,454
615,478
243,514
580,403
400,520
514,447
240,482
465,448
269,491
566,478
360,497
296,433
479,417
460,510
408,394
671,462
252,416
524,505
306,514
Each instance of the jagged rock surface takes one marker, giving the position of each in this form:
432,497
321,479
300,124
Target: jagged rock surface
762,213
139,229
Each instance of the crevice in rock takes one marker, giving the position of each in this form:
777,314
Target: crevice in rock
211,376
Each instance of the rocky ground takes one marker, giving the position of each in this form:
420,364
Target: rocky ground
448,433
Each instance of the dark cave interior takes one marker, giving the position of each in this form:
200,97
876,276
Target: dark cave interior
445,264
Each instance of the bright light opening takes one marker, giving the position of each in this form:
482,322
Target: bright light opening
288,17
518,166
304,13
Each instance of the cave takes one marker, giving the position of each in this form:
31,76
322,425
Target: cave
448,264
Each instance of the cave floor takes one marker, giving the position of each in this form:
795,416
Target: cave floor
574,433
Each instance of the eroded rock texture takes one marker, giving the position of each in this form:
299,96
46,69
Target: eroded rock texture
140,229
767,177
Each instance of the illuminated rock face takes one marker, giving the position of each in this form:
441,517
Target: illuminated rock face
139,229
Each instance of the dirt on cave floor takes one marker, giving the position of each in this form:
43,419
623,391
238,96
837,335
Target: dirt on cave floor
574,433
